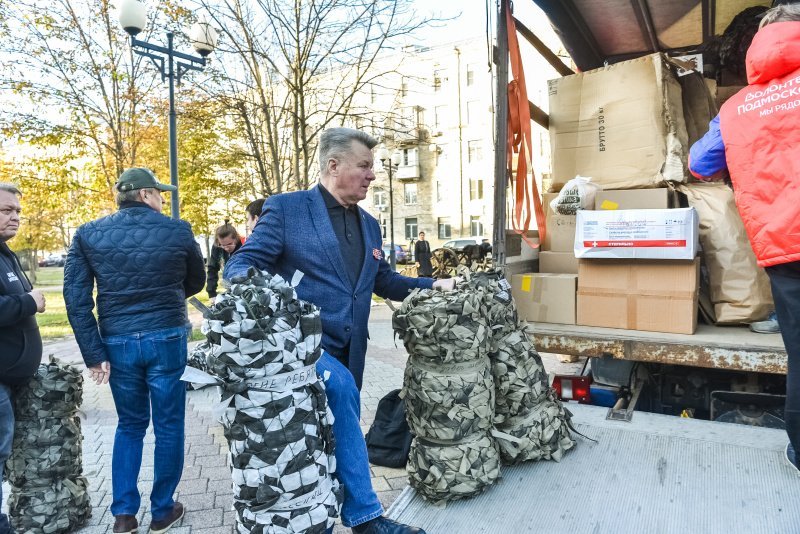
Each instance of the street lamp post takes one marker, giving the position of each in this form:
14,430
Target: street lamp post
389,162
132,17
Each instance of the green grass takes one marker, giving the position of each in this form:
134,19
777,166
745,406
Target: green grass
53,322
49,276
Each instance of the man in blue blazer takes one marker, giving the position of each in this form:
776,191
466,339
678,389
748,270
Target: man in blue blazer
337,245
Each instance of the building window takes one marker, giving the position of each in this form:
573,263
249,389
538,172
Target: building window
380,199
404,87
411,228
437,80
438,116
475,189
470,75
473,113
475,225
383,228
410,156
444,228
410,193
474,151
439,191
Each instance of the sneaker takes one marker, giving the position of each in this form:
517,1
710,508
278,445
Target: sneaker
769,326
125,524
791,458
163,525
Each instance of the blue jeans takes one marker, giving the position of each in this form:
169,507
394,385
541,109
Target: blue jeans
145,375
6,438
352,463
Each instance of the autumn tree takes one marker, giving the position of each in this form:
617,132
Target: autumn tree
273,57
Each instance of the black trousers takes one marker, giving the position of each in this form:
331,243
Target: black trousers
785,281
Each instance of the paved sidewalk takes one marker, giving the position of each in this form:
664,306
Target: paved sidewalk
205,488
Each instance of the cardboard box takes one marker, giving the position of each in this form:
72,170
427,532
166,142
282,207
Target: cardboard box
632,199
622,125
641,234
657,296
558,262
560,228
545,298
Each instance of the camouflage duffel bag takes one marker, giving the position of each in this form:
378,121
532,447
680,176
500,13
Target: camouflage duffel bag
443,472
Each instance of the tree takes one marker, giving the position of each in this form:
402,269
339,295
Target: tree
273,59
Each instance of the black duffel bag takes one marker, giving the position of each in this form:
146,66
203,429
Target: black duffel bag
389,439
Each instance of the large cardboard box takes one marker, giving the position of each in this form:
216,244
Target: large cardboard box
657,296
632,199
545,298
622,125
641,234
558,262
560,228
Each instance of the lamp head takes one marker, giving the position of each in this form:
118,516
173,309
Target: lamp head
132,16
382,153
203,37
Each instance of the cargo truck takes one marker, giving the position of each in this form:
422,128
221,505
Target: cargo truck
670,456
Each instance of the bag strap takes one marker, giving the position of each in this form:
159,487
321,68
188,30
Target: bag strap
519,141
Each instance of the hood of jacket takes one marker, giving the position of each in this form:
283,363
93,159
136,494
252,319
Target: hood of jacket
774,52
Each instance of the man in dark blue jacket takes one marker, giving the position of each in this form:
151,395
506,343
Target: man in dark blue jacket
20,342
145,266
337,245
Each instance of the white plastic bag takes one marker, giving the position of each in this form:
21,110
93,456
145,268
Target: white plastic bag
577,194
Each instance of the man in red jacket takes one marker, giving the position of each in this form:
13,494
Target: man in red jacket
756,136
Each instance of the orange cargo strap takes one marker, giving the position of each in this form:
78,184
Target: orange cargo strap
519,141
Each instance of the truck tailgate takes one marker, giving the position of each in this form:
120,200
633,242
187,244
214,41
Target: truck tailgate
655,474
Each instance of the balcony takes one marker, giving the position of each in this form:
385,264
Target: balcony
407,172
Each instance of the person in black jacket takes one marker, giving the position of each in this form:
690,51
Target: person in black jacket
20,342
145,265
422,254
226,242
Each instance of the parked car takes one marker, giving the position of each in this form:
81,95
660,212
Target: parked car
400,253
53,260
459,244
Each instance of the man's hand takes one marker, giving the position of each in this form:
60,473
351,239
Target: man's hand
447,284
100,373
38,297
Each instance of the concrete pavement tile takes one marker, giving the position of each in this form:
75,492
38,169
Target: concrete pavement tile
380,484
197,501
204,450
221,486
188,487
204,518
216,473
398,482
388,472
388,497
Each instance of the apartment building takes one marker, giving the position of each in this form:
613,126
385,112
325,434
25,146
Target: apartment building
433,107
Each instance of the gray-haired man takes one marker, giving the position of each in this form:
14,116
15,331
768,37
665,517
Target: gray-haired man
20,342
323,233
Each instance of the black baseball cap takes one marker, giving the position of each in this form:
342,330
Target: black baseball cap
140,178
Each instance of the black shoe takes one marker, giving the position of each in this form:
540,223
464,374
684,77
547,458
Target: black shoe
163,525
125,524
384,525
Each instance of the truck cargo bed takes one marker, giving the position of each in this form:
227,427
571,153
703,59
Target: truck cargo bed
733,348
655,474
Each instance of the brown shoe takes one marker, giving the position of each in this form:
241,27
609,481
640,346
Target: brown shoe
125,524
163,525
